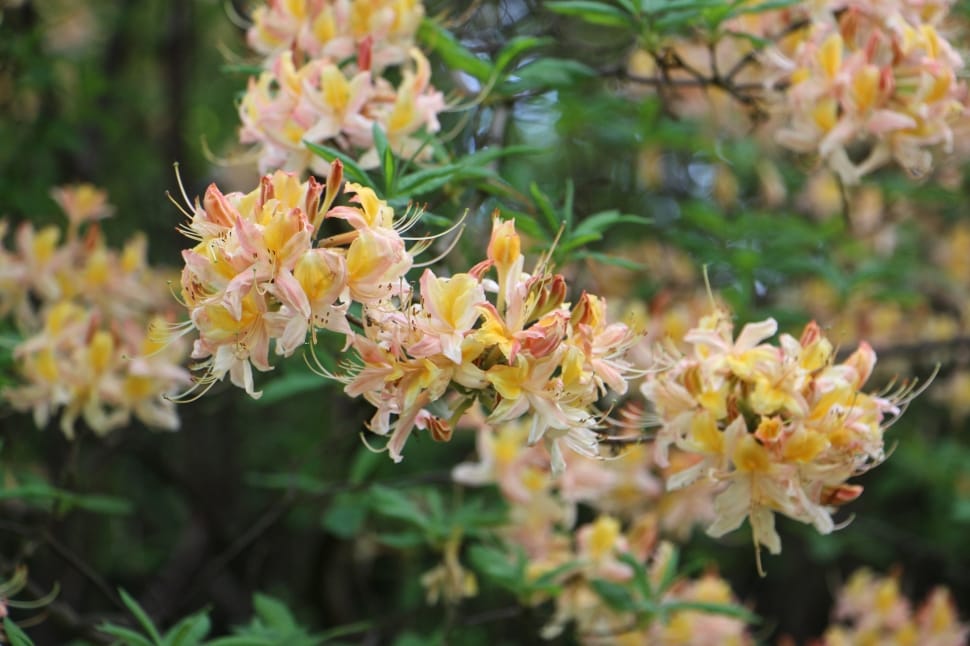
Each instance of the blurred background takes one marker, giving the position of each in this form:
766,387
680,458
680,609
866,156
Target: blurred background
272,495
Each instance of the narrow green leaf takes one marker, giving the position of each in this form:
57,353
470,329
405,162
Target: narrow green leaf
729,610
516,47
454,54
351,168
545,207
669,574
615,595
143,619
597,13
567,207
487,155
16,636
244,640
575,242
127,636
767,5
297,481
431,179
386,157
365,463
641,578
600,222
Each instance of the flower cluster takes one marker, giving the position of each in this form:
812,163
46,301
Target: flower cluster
257,274
323,82
632,510
91,357
334,29
780,428
871,610
875,74
524,352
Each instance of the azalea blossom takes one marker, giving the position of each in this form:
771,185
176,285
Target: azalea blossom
779,428
83,309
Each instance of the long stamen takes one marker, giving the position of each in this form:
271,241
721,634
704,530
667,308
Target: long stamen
442,254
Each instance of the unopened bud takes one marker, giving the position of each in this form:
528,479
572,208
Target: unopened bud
505,247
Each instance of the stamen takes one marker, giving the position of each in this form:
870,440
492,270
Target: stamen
442,254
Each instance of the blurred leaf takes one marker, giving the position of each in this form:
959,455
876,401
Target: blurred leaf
454,54
190,631
395,504
615,595
386,157
597,13
546,72
345,516
499,566
352,169
728,610
45,494
16,636
141,616
127,636
273,612
516,47
607,259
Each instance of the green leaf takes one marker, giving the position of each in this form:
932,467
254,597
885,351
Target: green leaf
600,222
16,636
575,241
431,179
547,72
41,492
597,13
567,207
395,504
345,516
516,47
669,574
346,629
127,636
365,463
545,207
352,169
273,612
488,155
190,631
386,157
767,5
502,568
402,540
454,54
244,640
615,595
729,610
607,259
287,480
143,619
